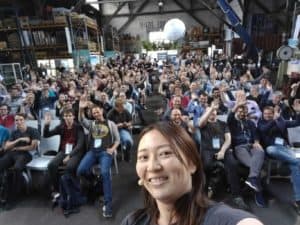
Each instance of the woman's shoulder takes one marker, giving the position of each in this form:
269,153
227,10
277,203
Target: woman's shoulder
138,217
221,214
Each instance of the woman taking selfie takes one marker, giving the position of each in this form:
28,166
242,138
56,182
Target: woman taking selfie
171,175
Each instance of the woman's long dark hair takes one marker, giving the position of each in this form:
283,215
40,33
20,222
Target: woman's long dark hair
191,207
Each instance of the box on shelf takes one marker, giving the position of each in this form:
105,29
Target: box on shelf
47,22
77,18
16,55
9,23
35,21
24,21
41,54
92,46
60,11
60,19
13,40
3,45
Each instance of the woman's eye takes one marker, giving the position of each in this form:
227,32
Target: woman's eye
142,157
166,153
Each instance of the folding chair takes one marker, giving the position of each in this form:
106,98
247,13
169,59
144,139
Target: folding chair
294,141
222,118
294,138
40,162
32,123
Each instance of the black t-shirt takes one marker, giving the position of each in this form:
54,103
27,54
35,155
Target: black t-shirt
119,117
218,214
101,136
212,131
30,132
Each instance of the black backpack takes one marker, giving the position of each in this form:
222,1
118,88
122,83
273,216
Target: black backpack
12,184
70,193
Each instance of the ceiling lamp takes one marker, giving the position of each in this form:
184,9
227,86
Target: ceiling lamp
160,4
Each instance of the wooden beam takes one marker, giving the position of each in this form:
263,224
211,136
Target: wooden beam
133,16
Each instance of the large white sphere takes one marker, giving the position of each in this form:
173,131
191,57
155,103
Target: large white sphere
174,29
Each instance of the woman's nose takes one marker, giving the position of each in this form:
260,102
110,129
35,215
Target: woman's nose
154,164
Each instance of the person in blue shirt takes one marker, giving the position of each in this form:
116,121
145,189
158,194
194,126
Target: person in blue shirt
247,148
273,134
4,136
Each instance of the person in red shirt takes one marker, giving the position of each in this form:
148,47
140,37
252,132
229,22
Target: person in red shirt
71,148
184,99
7,120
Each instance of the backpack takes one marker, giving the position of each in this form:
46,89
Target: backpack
12,184
92,186
70,192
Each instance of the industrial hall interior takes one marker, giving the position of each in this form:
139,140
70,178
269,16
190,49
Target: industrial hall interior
150,112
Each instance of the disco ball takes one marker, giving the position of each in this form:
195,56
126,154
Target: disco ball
174,29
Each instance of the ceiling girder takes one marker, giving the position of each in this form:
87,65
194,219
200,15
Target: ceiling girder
110,17
267,11
133,16
164,12
210,9
190,13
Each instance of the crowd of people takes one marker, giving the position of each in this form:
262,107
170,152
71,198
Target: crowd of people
237,118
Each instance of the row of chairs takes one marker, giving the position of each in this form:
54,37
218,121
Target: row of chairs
41,161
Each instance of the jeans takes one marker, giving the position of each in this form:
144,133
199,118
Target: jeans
105,161
69,168
284,154
15,159
250,157
232,171
126,138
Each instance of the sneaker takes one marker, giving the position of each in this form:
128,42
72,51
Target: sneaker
239,203
68,212
296,206
259,199
106,213
252,182
210,192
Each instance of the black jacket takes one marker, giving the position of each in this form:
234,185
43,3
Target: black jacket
79,148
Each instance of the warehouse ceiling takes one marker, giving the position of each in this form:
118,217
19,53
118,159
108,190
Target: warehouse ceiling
280,12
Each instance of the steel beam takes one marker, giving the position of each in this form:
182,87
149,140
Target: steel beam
241,5
210,9
245,12
114,14
155,13
109,1
189,13
133,16
267,11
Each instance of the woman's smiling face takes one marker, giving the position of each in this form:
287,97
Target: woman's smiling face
164,175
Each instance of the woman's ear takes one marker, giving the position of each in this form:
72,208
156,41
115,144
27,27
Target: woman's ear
192,168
